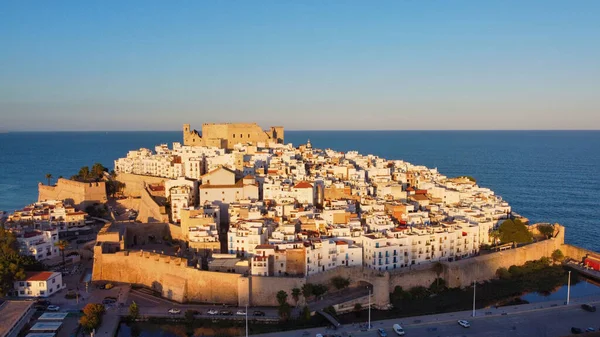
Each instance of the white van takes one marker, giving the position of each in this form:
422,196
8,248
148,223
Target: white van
398,330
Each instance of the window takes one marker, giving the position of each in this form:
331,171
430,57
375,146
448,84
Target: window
21,292
42,292
53,280
21,284
29,284
41,284
241,135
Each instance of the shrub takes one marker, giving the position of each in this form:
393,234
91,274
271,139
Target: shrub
340,282
558,256
503,273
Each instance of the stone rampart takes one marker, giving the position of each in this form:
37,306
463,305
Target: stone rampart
464,272
80,194
576,253
264,289
149,210
135,183
169,275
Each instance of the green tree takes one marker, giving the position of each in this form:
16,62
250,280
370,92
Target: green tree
134,311
296,295
546,230
437,286
340,282
49,177
514,231
92,316
305,315
62,246
558,256
357,309
97,171
330,310
438,268
307,290
284,311
11,263
419,292
190,316
281,297
319,289
503,273
84,173
495,236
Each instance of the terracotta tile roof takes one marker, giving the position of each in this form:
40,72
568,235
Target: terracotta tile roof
38,275
303,184
340,242
264,247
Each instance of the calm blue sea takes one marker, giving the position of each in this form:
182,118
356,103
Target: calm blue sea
551,176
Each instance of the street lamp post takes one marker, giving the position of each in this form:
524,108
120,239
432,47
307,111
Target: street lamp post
246,319
474,284
569,288
369,327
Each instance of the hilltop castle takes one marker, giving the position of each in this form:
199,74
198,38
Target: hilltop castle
226,135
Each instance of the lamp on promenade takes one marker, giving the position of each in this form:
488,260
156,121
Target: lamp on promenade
569,288
474,283
369,326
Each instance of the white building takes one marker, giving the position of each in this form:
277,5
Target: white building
326,254
244,236
182,193
39,243
39,284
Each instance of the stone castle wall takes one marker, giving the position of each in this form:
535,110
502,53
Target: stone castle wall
169,275
464,272
177,281
576,253
79,194
150,211
226,135
135,183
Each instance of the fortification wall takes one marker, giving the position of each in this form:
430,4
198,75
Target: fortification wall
264,289
149,210
576,253
464,272
79,194
135,183
169,275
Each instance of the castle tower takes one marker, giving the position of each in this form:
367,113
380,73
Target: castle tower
186,129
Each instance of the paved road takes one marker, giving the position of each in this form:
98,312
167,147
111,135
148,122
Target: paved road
526,320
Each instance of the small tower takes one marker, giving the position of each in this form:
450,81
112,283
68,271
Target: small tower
308,144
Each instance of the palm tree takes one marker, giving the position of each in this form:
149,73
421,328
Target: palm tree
296,294
495,235
48,176
439,269
62,245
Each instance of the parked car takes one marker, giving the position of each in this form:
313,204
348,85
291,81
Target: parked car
398,329
464,324
258,313
590,329
588,307
213,312
174,311
53,308
381,332
226,312
576,331
240,313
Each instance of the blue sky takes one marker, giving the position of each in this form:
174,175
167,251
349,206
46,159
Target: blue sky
154,65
